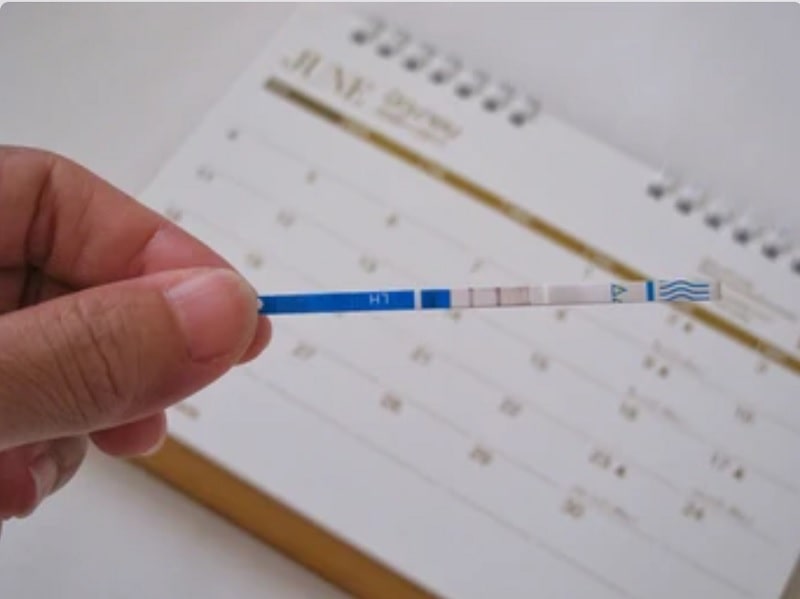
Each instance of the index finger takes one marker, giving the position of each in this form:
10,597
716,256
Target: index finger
75,227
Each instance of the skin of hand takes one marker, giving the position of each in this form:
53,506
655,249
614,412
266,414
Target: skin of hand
109,314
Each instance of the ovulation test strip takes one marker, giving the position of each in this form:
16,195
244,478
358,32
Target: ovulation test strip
673,290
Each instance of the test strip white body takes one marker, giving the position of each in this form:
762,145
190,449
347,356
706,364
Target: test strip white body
677,290
598,293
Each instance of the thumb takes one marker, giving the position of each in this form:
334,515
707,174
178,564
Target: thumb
114,354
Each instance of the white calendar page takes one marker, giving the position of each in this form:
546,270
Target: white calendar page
611,451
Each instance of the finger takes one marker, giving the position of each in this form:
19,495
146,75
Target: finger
10,289
98,358
260,341
32,473
20,287
78,229
17,487
142,437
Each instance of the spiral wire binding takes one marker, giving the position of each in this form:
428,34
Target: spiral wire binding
774,244
496,97
445,70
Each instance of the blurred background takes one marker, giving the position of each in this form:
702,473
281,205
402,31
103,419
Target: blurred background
710,91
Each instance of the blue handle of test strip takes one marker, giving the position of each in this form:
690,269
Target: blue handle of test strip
355,301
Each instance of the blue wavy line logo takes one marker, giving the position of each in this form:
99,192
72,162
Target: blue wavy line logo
668,285
681,289
685,297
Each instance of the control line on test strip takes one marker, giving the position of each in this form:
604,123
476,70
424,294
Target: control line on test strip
622,292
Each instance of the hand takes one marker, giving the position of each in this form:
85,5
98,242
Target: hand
108,315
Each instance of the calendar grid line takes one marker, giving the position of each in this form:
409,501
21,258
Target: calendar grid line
679,492
332,233
502,391
250,188
256,191
408,397
678,489
487,512
370,198
365,196
712,445
472,437
295,400
722,391
555,553
294,268
733,331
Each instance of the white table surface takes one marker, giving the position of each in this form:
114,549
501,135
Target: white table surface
711,91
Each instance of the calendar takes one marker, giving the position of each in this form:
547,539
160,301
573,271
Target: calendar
617,451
